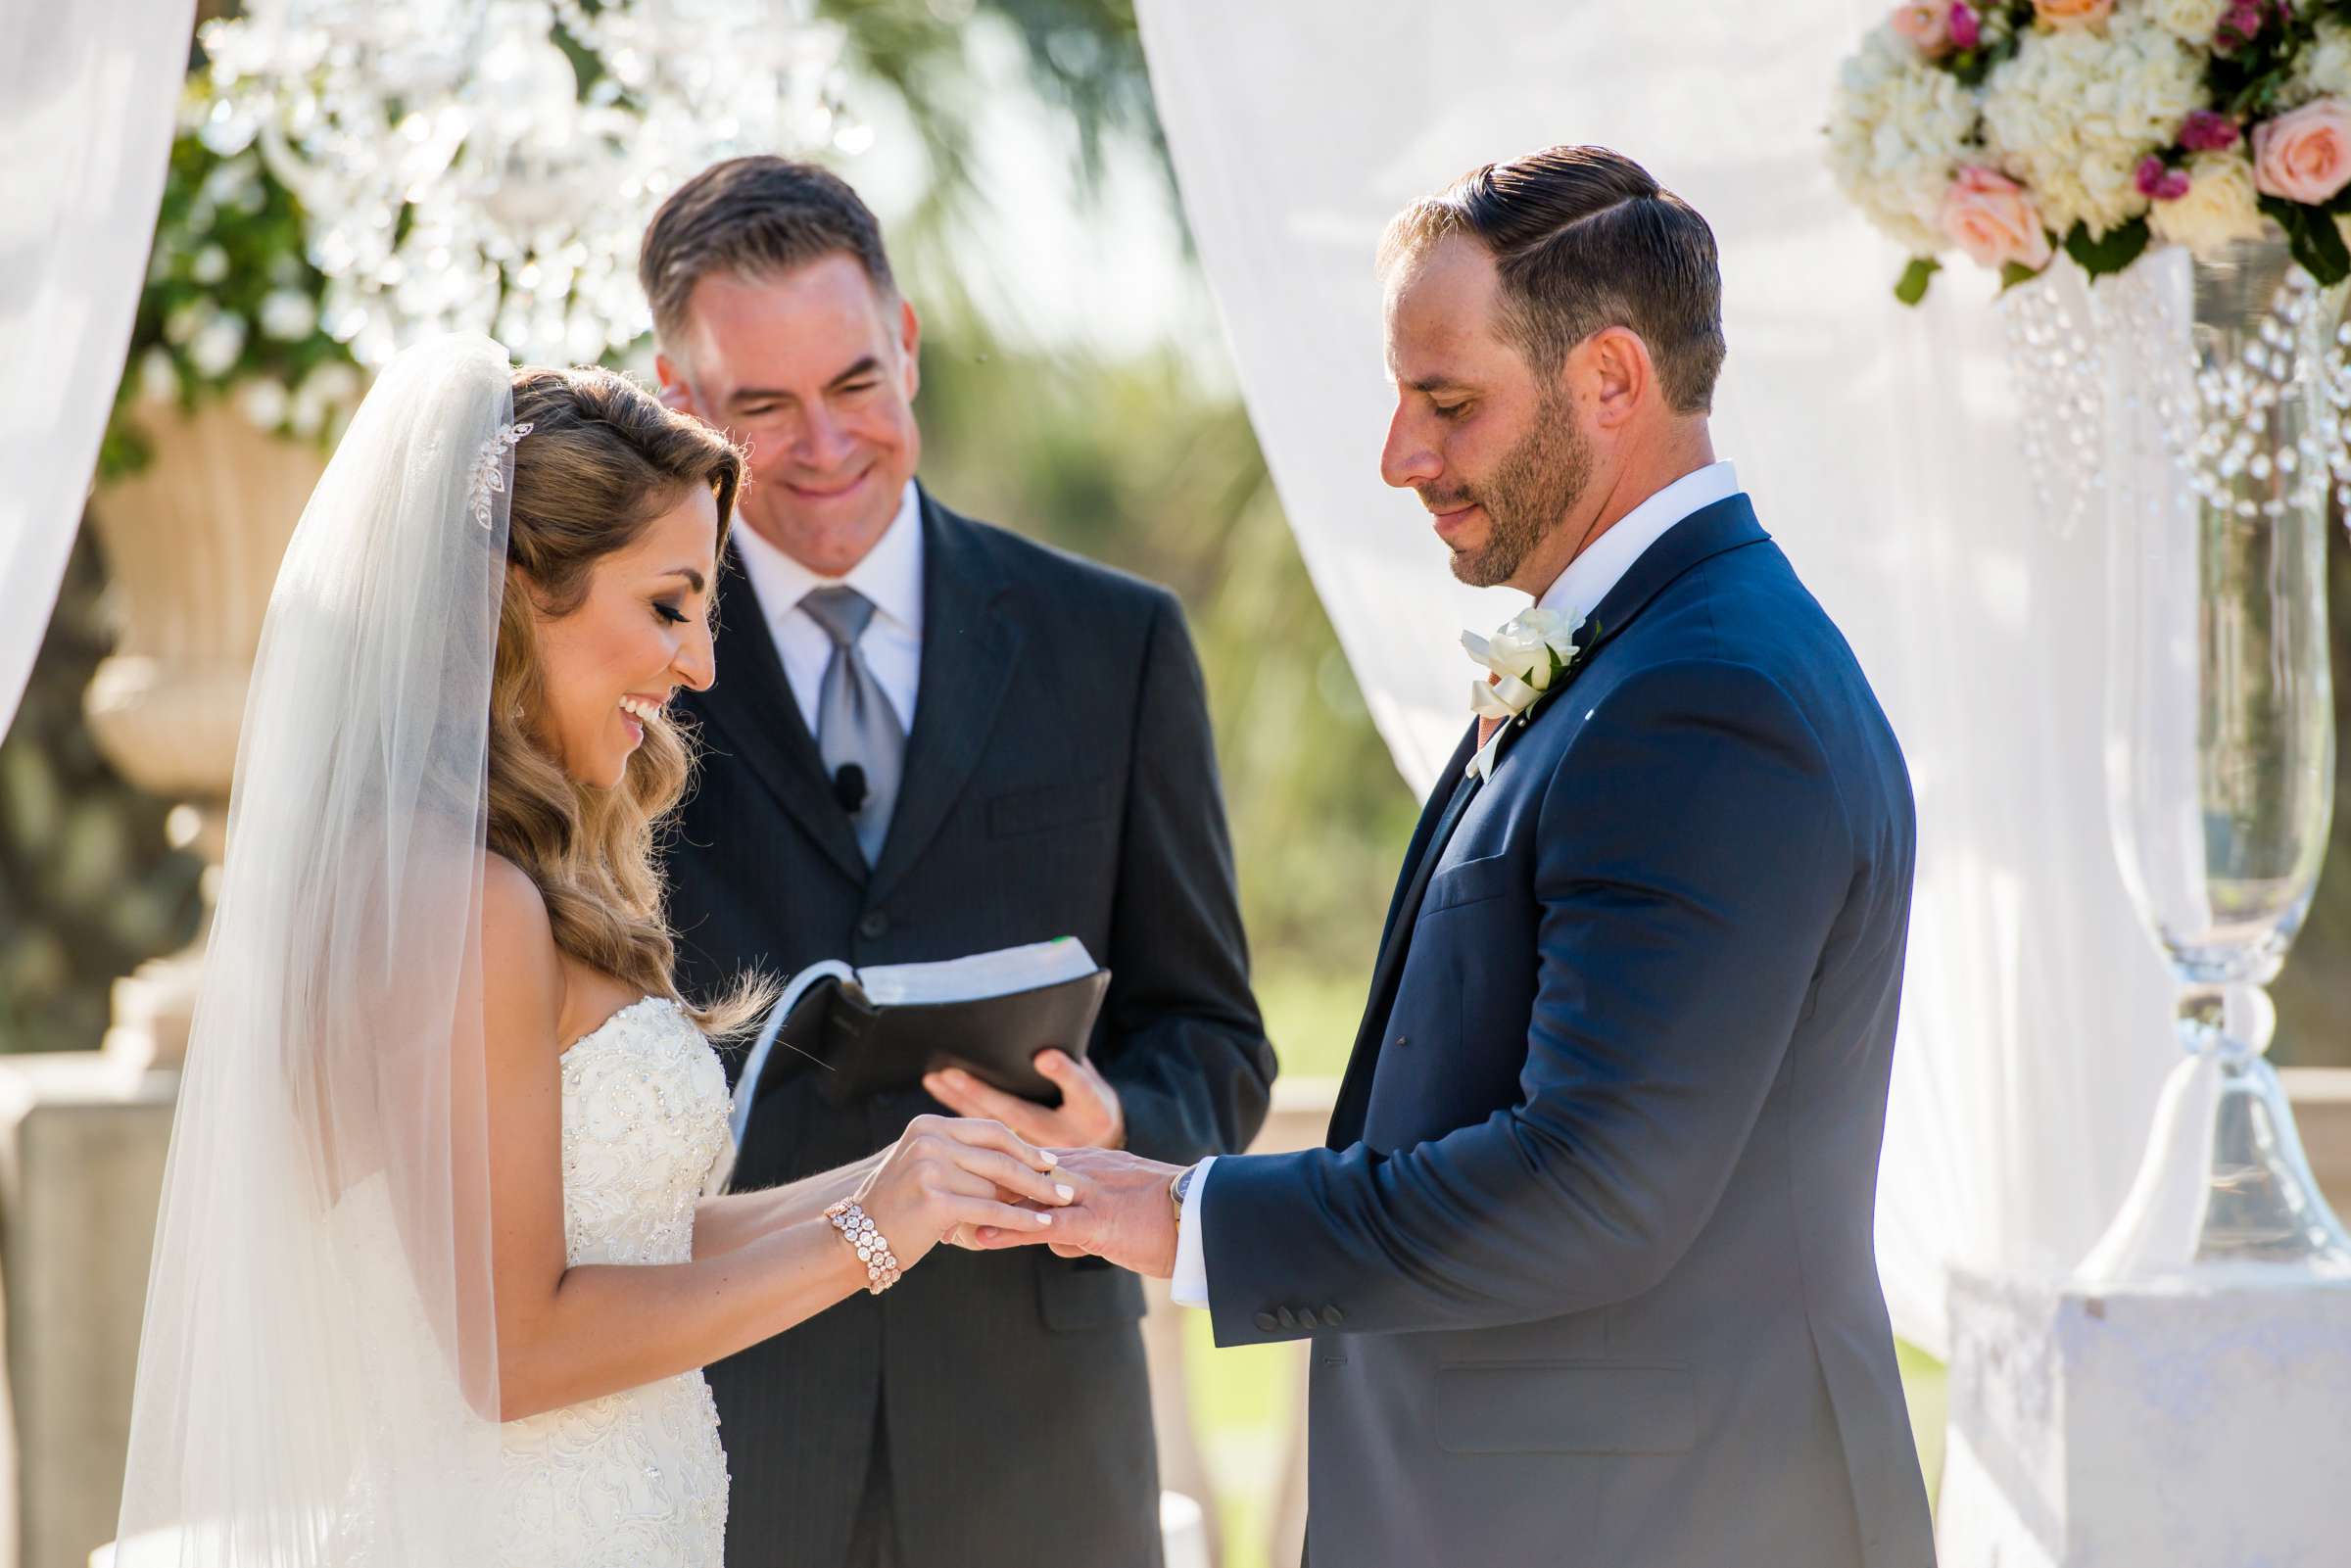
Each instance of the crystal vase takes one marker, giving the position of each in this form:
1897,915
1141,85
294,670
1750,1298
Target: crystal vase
2223,415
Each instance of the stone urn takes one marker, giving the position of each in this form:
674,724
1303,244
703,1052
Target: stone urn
192,545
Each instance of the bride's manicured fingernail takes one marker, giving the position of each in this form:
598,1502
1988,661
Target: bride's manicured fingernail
1065,1191
1049,1156
1044,1219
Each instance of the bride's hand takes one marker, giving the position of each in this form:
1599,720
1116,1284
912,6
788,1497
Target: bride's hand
947,1174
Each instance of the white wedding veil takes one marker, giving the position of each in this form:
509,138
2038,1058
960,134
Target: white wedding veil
318,1377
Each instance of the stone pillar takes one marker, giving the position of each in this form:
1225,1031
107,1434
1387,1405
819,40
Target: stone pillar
83,1139
2189,1421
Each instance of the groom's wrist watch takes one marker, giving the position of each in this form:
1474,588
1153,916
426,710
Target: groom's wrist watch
1180,1184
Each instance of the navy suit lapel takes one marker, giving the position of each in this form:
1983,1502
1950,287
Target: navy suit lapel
1727,525
970,644
1420,863
756,718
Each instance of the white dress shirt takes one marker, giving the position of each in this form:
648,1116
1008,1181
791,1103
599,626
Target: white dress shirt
1577,591
890,575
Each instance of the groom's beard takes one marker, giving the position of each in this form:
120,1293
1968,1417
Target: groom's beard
1531,491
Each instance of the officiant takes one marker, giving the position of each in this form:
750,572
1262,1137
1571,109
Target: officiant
932,738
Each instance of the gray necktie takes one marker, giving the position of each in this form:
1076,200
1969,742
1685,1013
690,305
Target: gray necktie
855,725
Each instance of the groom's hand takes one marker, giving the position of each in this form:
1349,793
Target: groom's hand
1089,1116
1121,1212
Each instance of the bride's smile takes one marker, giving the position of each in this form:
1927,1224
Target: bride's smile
640,631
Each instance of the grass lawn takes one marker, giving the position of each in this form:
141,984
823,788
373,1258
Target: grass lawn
1242,1398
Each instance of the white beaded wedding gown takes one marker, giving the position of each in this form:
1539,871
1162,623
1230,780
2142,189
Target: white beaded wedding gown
636,1479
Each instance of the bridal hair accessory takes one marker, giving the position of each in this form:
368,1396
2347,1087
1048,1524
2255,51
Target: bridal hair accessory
489,468
881,1264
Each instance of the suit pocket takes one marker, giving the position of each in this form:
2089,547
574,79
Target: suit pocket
1055,805
1555,1408
1471,881
1079,1294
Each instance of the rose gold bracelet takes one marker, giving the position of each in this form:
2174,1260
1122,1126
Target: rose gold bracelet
872,1251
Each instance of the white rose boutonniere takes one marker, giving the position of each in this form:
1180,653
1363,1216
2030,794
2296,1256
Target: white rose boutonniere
1524,661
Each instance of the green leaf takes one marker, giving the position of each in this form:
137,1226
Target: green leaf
2110,251
2313,238
2014,272
1913,285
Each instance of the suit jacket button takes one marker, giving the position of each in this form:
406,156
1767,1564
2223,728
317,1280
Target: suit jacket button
1267,1322
1306,1318
1401,1040
875,926
1332,1317
1286,1318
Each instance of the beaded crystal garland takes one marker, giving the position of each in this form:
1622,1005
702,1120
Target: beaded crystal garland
2058,373
2252,430
857,1229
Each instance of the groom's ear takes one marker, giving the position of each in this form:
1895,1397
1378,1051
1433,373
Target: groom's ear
1619,378
675,393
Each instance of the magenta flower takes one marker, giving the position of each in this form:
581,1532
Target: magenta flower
2160,183
2243,23
1966,30
2205,132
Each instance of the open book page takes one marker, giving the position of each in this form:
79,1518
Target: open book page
1004,973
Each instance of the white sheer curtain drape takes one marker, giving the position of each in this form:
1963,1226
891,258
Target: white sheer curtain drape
1880,445
88,95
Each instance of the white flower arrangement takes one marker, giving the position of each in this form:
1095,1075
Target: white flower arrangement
1524,661
2014,130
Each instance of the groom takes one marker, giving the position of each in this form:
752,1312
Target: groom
1587,1263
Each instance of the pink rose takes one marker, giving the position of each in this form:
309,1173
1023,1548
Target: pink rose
1993,221
2306,156
1927,28
2072,12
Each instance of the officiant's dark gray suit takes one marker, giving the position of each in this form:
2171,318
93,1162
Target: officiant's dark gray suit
1059,781
1587,1264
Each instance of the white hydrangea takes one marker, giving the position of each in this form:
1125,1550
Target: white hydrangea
2324,68
1898,129
2220,206
2188,20
2075,110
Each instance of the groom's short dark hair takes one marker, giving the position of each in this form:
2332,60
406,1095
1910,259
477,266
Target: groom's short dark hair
1585,239
754,217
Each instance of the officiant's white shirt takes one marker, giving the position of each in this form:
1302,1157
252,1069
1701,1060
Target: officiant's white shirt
1577,591
890,575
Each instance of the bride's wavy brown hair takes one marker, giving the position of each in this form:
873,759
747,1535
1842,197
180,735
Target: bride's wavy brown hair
602,461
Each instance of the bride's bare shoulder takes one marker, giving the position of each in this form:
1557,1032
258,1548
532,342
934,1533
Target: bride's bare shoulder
522,968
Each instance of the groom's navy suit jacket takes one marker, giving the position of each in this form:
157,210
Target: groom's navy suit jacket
1587,1263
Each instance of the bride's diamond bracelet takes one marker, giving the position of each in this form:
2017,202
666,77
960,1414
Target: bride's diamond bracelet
872,1251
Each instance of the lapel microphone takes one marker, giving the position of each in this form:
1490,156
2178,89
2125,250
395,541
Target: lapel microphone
849,788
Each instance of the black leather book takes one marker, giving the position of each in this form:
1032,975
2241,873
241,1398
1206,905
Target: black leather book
880,1028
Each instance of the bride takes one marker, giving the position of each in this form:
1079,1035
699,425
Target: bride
443,1242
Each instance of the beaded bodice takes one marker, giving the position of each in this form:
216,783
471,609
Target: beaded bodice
635,1478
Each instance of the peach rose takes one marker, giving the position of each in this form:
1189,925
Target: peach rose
2304,156
2072,12
1993,221
1926,28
